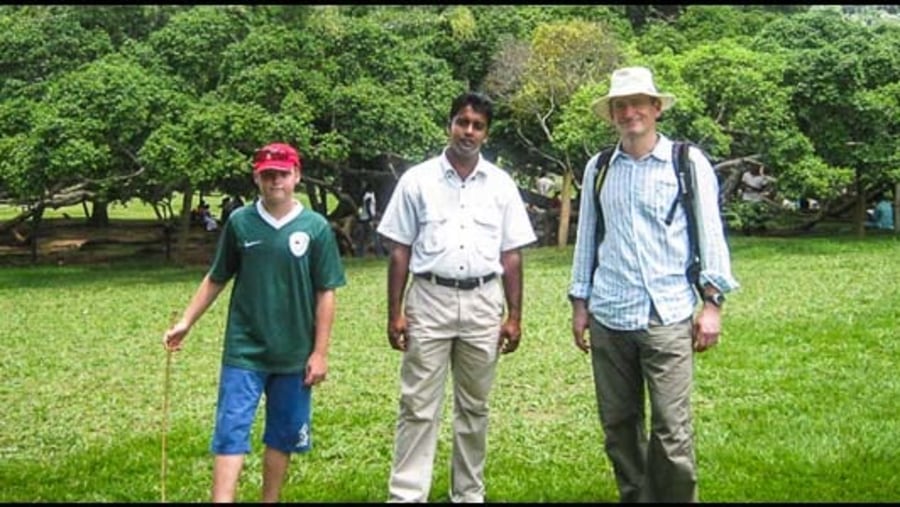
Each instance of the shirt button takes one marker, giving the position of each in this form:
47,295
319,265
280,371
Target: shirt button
461,247
461,268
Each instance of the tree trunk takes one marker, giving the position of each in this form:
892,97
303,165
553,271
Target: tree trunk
897,206
100,214
323,200
565,209
36,219
184,229
860,216
313,195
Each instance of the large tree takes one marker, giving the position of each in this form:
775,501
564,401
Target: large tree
838,66
536,81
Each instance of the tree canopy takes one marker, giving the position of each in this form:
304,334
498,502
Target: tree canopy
101,104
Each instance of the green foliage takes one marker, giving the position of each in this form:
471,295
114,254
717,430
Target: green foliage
748,217
837,67
99,91
581,132
93,122
214,141
462,23
123,22
739,90
538,82
809,176
193,41
18,156
38,42
702,24
375,122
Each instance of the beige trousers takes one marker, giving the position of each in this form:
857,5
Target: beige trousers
662,469
455,330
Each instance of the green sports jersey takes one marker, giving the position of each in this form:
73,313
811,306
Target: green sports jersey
278,266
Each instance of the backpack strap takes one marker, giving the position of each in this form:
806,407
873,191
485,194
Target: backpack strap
602,167
684,172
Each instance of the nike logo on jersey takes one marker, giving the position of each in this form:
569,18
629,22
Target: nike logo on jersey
251,244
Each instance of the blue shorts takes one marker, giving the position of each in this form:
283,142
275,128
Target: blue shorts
288,411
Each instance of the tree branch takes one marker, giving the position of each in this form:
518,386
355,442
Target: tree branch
534,148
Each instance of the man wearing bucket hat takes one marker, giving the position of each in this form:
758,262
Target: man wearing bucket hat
637,302
286,266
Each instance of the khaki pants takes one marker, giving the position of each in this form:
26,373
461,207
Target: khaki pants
456,330
663,469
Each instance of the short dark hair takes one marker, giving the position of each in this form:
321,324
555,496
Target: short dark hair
480,103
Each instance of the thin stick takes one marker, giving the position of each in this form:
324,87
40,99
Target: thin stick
165,408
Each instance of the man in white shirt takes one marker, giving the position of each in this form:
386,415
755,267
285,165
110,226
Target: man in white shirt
544,184
456,223
755,184
364,229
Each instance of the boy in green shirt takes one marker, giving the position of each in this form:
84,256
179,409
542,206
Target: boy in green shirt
286,266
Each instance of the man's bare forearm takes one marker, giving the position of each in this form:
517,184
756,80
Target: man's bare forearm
398,272
512,283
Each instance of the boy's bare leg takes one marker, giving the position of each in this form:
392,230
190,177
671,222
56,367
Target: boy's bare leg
226,470
275,464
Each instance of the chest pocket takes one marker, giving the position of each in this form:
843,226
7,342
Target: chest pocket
656,197
432,231
488,223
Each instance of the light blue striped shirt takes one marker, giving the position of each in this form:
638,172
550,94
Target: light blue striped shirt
642,260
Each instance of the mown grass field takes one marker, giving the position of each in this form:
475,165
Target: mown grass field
799,402
135,208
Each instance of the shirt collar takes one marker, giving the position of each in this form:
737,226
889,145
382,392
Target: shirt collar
274,222
448,170
662,151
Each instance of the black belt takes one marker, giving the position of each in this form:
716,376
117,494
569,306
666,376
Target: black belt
463,284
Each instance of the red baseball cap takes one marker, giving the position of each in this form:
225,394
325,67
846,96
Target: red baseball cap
276,156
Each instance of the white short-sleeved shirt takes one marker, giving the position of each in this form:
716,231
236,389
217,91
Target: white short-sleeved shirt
456,228
753,186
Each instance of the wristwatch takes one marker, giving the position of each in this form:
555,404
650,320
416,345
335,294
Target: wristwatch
716,299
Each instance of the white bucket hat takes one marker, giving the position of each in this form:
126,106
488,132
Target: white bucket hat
631,81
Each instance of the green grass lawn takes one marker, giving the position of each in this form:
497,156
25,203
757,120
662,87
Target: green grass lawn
799,402
136,209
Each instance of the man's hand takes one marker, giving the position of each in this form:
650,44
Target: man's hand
510,334
580,323
707,327
396,331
